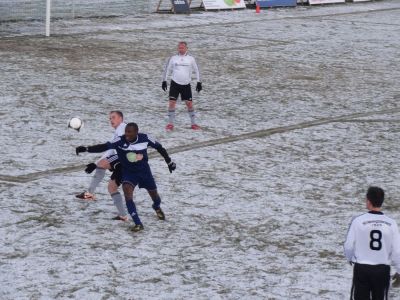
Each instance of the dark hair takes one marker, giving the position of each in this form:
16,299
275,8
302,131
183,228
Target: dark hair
118,112
134,125
375,195
182,42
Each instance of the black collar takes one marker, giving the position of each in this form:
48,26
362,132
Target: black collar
375,212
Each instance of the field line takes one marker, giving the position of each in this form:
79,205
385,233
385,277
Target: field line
229,139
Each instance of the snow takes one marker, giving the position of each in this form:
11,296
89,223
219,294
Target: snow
300,115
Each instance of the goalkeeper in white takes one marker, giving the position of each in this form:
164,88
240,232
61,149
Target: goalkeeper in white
181,66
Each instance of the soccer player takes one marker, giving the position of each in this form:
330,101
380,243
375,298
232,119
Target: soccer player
132,153
181,66
109,160
372,243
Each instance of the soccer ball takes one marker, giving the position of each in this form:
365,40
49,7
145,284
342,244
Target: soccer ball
75,123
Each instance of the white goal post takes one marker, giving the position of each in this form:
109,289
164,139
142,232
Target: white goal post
48,15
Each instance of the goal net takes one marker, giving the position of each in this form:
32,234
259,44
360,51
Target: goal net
23,17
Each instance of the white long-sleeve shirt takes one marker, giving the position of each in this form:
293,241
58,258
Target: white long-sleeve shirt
373,239
181,68
119,131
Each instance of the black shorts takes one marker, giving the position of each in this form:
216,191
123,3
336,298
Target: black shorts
184,90
117,173
112,160
370,280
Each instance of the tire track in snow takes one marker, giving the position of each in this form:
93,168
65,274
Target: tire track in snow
229,139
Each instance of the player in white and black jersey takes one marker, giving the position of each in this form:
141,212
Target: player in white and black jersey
109,161
372,244
181,66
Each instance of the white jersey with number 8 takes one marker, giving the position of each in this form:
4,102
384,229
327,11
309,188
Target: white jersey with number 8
373,239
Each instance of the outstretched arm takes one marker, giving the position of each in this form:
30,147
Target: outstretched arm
93,149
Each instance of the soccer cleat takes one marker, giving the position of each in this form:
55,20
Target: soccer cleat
121,218
137,227
86,196
169,127
195,127
160,214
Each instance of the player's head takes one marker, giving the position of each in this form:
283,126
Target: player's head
131,131
116,118
182,48
375,195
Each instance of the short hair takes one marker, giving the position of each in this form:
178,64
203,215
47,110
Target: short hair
182,42
134,125
118,112
375,195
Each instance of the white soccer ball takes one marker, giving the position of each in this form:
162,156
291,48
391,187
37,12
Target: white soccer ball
75,123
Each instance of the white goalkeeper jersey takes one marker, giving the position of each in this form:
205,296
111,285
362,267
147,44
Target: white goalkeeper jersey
119,131
373,239
181,68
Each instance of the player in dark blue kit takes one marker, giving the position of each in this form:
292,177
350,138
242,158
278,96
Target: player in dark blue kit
132,153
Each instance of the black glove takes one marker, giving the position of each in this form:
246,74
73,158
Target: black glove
198,87
80,149
171,166
90,168
164,85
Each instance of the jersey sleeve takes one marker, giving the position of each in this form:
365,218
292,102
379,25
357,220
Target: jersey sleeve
160,149
112,145
153,143
396,248
167,69
99,148
349,243
196,69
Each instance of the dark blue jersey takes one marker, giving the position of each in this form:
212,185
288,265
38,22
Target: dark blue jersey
127,151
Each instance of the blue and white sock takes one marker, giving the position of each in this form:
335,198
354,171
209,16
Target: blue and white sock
130,205
156,202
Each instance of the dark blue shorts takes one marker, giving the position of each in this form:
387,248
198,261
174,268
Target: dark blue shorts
144,179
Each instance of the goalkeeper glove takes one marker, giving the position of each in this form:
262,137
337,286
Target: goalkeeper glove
198,87
80,149
90,168
171,166
164,85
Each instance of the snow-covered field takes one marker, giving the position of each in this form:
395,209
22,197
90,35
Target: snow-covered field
300,114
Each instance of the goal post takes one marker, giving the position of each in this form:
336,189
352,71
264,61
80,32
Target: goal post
48,16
